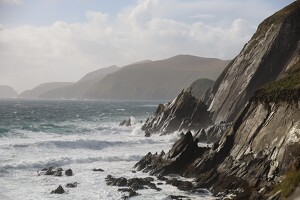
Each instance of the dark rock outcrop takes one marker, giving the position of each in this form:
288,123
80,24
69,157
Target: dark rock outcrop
131,192
69,172
126,122
71,185
133,183
98,170
51,171
247,161
185,112
59,190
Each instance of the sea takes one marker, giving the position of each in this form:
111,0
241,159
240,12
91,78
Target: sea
82,136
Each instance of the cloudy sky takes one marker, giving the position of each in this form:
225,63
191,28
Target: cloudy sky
61,40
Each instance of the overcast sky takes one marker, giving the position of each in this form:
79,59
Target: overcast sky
62,40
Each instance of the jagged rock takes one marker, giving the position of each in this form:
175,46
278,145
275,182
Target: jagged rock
185,112
115,181
178,197
51,171
182,185
98,170
175,160
71,185
126,122
69,172
131,192
59,190
213,133
133,183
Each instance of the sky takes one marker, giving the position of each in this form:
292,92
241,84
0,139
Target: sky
62,40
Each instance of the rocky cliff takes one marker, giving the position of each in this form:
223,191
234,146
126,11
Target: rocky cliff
263,59
272,50
184,112
257,156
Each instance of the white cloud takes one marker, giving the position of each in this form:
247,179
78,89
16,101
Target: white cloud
11,2
64,52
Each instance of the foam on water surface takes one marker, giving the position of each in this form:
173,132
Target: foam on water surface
90,141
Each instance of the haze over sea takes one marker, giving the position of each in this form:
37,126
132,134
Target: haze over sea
81,135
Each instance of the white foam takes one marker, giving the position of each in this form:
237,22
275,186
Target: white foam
110,147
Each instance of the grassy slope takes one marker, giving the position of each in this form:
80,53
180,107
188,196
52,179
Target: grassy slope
284,89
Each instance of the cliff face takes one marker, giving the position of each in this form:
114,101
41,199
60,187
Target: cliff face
177,115
260,92
271,52
261,146
263,59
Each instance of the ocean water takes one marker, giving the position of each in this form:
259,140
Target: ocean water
81,135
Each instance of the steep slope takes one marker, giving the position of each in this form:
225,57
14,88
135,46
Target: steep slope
7,92
263,59
36,92
200,86
156,80
260,150
272,50
76,90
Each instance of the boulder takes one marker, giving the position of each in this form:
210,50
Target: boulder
59,190
69,172
71,185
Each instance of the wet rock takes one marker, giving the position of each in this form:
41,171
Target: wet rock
161,178
59,190
71,185
185,112
181,185
126,122
133,183
69,172
147,134
121,182
133,171
58,173
131,192
178,197
98,170
51,171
